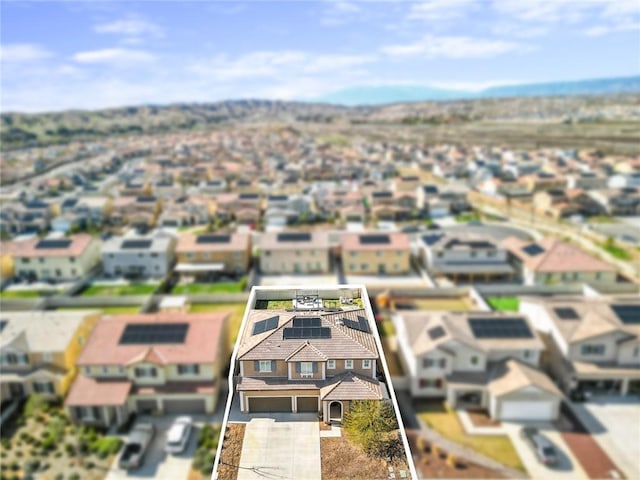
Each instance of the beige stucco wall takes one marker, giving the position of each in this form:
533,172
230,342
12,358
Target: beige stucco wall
302,260
45,267
395,262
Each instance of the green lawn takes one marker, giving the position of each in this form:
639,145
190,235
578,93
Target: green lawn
236,310
504,304
616,251
467,217
219,287
273,304
106,310
20,294
444,420
437,304
119,290
601,219
386,328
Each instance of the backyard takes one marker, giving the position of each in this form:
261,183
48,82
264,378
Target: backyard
236,310
127,310
217,287
120,290
274,304
455,304
442,418
504,304
41,439
28,293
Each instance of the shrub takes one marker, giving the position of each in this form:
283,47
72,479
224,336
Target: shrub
59,476
74,476
58,454
6,444
451,460
31,466
19,454
70,448
49,443
14,466
89,465
35,404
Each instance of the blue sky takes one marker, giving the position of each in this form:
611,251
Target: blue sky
87,54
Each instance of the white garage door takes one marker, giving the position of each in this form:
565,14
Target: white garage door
528,410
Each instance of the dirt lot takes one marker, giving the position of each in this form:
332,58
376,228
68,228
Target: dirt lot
342,459
231,450
481,418
429,465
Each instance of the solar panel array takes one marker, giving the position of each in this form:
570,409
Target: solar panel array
533,249
51,244
361,324
266,325
628,314
306,332
375,239
566,313
213,239
382,194
146,199
436,332
277,198
294,237
300,322
153,333
136,244
500,328
248,196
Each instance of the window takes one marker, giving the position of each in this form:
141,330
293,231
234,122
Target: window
73,271
378,254
427,363
364,266
491,253
430,383
474,254
189,369
264,366
72,259
474,360
190,255
105,369
443,363
47,357
142,372
526,354
41,259
331,364
121,370
348,364
399,253
636,351
352,266
23,359
440,254
598,275
43,387
87,370
26,260
366,363
267,253
306,368
353,254
154,255
590,349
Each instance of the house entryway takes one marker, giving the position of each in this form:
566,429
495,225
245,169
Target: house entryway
335,412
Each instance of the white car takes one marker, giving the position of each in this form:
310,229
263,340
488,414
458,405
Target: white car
178,435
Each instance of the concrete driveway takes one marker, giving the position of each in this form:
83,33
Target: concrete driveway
285,446
157,464
569,468
615,424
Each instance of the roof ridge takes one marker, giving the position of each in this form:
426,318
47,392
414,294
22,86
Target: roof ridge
346,330
280,327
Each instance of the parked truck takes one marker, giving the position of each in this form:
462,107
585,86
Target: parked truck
136,446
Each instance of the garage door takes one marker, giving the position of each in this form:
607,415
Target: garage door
528,410
146,406
307,404
192,405
269,404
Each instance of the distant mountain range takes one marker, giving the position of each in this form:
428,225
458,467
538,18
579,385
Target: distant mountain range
379,95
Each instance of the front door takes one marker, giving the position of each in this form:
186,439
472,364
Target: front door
16,390
335,411
382,269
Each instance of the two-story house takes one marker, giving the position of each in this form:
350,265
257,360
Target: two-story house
307,360
149,256
594,343
56,259
149,363
376,253
294,252
477,359
209,255
465,257
38,351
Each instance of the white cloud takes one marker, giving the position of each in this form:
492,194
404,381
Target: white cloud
114,56
519,30
601,30
131,27
22,52
452,47
325,63
438,9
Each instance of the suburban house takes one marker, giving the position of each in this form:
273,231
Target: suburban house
185,211
294,252
552,261
38,351
56,259
209,255
147,363
133,256
309,358
465,257
375,253
477,360
560,203
593,343
623,201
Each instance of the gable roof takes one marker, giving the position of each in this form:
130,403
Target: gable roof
352,386
511,375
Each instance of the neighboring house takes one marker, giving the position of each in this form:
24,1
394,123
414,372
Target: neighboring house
307,361
57,259
150,256
294,252
551,261
185,211
565,203
147,363
16,219
465,257
38,351
209,255
616,202
376,253
477,360
424,194
593,343
628,180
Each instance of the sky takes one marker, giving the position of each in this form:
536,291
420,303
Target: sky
87,54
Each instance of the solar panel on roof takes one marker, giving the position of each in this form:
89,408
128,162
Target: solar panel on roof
278,197
146,199
628,314
248,196
265,325
213,239
149,333
306,332
307,322
533,249
381,194
361,324
566,313
52,244
375,239
364,324
294,237
500,328
136,244
436,332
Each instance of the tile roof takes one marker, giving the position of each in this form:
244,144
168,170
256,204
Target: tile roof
78,245
398,241
512,375
89,392
352,386
188,242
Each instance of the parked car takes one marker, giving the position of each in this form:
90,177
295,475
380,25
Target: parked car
544,449
136,446
178,435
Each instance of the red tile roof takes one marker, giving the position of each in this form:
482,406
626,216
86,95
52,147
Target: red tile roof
79,243
89,392
398,241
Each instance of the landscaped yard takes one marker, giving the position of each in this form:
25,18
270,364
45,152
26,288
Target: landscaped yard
27,293
386,328
444,420
616,251
451,304
120,290
236,310
107,310
218,287
274,304
205,455
231,451
504,304
42,442
467,217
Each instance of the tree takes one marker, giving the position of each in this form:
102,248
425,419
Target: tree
370,423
